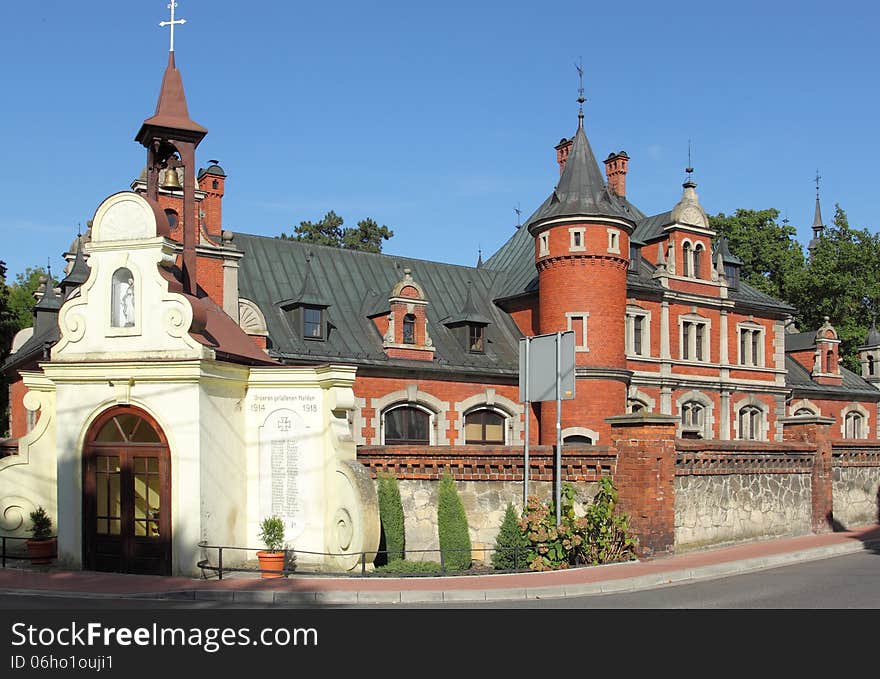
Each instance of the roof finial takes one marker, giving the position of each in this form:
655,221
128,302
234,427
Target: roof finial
580,69
817,184
689,170
174,22
518,215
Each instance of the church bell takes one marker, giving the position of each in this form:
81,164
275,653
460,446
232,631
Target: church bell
171,181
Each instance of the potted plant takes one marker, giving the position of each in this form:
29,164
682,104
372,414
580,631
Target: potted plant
272,558
41,547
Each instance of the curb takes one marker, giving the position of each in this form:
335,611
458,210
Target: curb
379,597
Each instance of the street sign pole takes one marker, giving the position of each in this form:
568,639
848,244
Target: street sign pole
558,427
526,449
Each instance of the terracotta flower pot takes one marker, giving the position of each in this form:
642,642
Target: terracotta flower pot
41,551
271,561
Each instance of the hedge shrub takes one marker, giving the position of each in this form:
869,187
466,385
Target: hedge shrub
511,546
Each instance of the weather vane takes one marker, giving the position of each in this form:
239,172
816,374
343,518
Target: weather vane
518,215
817,183
174,22
689,169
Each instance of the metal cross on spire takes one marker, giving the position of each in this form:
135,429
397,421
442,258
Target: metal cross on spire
580,69
174,22
817,183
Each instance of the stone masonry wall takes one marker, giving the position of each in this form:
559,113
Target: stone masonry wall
856,495
712,510
484,503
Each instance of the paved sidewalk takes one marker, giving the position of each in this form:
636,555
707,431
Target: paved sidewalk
317,590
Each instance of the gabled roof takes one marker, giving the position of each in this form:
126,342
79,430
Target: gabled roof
359,285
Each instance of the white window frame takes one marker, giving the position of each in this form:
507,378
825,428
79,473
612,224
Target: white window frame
687,258
582,233
748,360
570,317
762,421
614,241
852,410
505,417
543,244
693,320
708,406
631,313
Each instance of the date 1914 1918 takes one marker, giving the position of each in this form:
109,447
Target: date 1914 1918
61,662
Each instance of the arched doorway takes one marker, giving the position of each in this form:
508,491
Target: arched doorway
127,494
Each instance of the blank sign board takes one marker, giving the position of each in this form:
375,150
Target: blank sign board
540,353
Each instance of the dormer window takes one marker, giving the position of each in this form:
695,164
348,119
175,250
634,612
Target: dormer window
409,329
313,322
476,343
731,273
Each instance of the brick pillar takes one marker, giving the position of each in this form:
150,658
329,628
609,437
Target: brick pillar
815,429
645,478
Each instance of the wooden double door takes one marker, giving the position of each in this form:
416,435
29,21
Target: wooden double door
127,495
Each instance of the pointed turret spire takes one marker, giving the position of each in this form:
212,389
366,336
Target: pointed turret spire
818,226
171,108
79,272
479,257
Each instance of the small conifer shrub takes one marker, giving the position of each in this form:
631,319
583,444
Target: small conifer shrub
511,546
452,525
391,517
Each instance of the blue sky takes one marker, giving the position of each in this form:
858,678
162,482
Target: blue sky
439,120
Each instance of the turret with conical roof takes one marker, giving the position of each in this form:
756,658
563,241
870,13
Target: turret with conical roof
581,237
869,355
818,226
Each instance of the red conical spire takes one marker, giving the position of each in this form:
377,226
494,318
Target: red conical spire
171,110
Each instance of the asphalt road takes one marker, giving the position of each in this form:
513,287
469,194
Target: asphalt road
844,582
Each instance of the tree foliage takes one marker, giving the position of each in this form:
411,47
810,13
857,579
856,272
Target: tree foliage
367,236
511,546
8,328
841,280
772,258
21,296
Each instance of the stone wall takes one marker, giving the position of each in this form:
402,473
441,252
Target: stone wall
484,503
728,492
856,484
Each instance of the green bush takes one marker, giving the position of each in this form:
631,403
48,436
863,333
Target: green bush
511,546
600,536
391,517
452,525
404,567
272,533
42,524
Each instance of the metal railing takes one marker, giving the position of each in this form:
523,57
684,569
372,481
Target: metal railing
20,554
365,562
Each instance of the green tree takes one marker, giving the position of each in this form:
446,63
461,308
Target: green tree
452,526
368,236
8,328
21,296
842,281
773,260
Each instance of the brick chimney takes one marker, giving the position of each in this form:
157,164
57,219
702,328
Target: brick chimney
616,166
562,150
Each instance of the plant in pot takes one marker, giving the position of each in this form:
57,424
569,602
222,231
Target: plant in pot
273,557
41,547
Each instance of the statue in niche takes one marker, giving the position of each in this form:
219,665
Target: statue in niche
122,311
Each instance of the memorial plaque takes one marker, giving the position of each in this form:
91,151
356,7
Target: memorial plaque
280,470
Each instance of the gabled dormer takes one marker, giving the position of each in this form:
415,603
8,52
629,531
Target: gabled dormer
307,312
406,334
690,238
469,325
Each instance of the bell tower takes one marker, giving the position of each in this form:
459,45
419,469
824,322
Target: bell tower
171,137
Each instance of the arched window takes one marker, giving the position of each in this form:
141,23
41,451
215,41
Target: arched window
578,438
407,425
870,365
484,426
854,425
828,357
172,217
803,411
122,299
686,259
637,407
409,329
750,420
698,258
